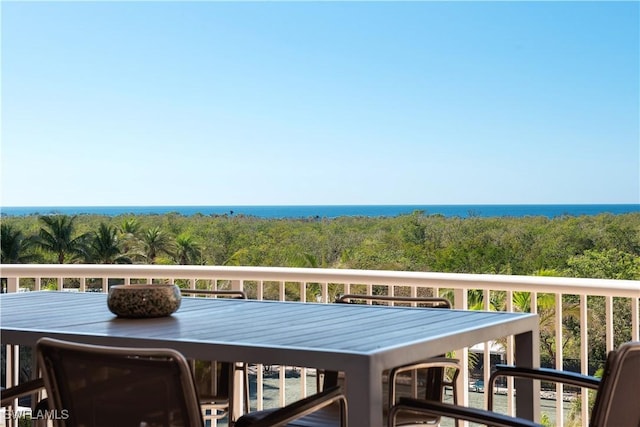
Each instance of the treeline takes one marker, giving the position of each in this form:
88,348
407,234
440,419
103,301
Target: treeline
602,246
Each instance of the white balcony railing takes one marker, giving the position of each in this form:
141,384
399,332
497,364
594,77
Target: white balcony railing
323,285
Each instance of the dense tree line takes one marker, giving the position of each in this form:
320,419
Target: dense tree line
602,246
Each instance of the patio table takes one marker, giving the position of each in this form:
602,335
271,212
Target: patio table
362,341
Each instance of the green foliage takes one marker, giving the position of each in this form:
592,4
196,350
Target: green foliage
16,249
104,247
602,246
187,250
545,420
611,263
154,242
58,235
575,411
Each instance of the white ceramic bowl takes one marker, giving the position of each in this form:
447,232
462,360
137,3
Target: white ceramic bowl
141,301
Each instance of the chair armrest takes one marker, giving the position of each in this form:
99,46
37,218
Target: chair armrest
546,374
434,362
303,407
438,409
541,374
234,294
20,390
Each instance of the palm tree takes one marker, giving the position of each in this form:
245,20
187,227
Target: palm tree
187,250
57,237
15,247
239,257
475,298
546,305
104,246
153,242
130,226
304,259
129,230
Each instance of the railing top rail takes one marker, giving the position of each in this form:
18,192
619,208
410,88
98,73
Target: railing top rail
541,284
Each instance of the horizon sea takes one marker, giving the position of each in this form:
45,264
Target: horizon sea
335,211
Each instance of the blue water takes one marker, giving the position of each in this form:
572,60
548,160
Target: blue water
334,211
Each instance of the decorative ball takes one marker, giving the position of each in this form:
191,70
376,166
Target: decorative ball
143,301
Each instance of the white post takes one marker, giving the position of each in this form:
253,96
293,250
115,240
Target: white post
12,284
461,302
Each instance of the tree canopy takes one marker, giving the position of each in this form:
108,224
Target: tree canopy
601,246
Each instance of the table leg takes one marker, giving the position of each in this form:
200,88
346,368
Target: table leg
364,396
528,355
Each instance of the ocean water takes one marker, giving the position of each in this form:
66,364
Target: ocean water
334,211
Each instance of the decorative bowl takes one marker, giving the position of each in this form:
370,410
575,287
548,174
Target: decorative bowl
142,301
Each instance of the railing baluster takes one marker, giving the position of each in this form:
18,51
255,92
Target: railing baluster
303,382
282,385
558,361
303,291
281,290
609,329
486,352
584,355
635,319
260,290
12,284
259,387
510,356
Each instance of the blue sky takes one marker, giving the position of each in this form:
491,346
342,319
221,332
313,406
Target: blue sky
269,103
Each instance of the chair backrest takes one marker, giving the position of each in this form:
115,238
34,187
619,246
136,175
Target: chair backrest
100,386
617,402
430,302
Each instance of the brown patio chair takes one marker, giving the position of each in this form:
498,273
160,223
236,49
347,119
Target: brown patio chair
616,401
100,386
436,373
215,380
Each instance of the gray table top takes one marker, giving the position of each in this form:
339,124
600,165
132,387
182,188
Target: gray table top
361,340
260,329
